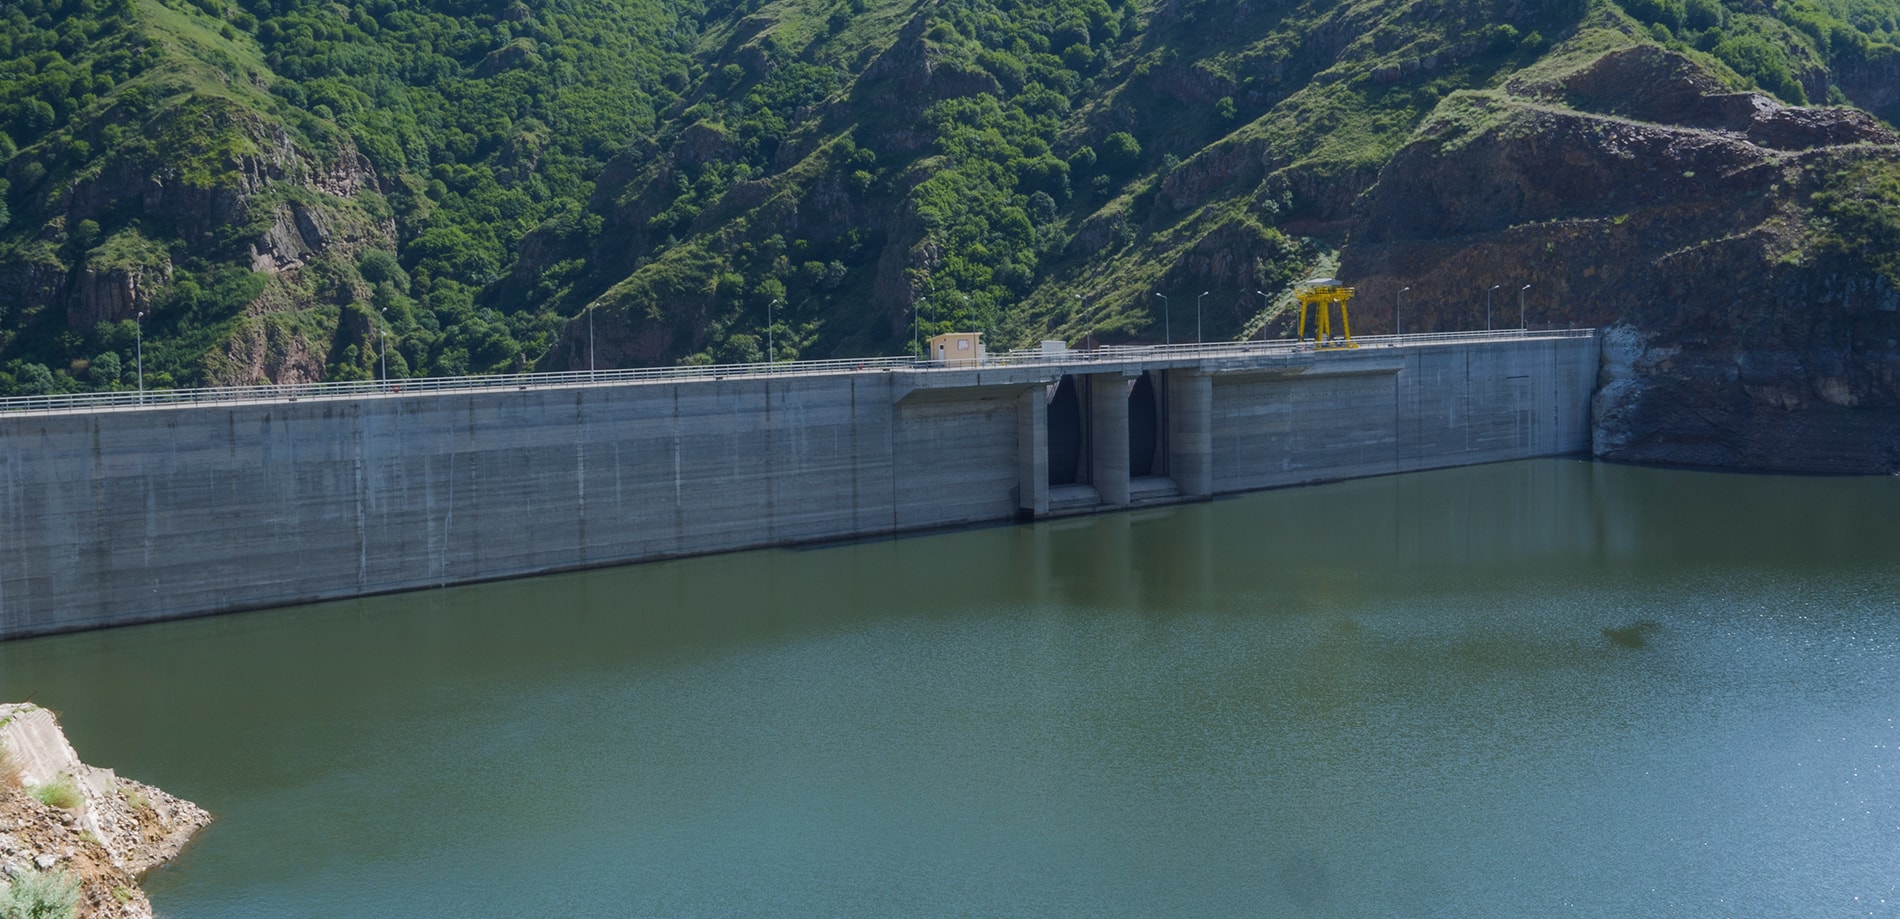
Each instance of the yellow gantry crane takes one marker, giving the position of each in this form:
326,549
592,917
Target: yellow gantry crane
1320,293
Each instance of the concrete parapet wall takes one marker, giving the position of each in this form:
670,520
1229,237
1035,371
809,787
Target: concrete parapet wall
130,515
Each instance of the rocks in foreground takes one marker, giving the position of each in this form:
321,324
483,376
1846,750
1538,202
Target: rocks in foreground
62,821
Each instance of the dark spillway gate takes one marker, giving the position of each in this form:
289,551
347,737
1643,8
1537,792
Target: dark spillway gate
1147,431
1067,432
1072,422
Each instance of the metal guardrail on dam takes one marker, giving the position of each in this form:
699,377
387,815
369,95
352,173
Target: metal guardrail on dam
291,392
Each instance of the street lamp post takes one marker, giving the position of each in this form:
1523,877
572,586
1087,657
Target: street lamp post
1520,308
770,357
590,341
1265,304
1167,321
1197,317
138,334
1398,313
916,333
1487,306
382,341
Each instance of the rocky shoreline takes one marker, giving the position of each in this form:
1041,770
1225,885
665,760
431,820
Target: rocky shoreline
65,824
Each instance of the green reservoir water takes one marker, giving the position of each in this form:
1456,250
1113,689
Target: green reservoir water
1391,697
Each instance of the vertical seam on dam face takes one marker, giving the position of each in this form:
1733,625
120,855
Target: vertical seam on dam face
857,517
357,445
12,526
890,452
580,473
448,517
100,557
679,501
126,516
771,467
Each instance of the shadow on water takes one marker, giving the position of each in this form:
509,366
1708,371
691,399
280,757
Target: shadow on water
1634,635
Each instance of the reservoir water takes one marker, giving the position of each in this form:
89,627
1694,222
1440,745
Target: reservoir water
1543,688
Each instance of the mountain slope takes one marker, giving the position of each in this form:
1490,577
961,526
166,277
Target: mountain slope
284,186
1039,173
269,184
1738,250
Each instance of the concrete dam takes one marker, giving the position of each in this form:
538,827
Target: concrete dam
119,514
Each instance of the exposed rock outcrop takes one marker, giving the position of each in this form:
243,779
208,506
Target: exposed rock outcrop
1639,194
263,349
93,825
263,199
112,294
909,76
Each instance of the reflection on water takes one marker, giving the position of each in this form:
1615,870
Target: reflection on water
1545,687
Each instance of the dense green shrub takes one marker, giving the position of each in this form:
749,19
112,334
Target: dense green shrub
60,793
40,895
1756,58
1121,153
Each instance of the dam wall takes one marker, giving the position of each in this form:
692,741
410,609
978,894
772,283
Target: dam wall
120,515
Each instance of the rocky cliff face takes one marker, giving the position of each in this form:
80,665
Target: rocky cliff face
109,293
1636,193
256,196
59,815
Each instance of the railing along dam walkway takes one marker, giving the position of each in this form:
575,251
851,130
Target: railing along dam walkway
413,386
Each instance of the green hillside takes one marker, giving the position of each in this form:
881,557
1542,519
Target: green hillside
281,187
